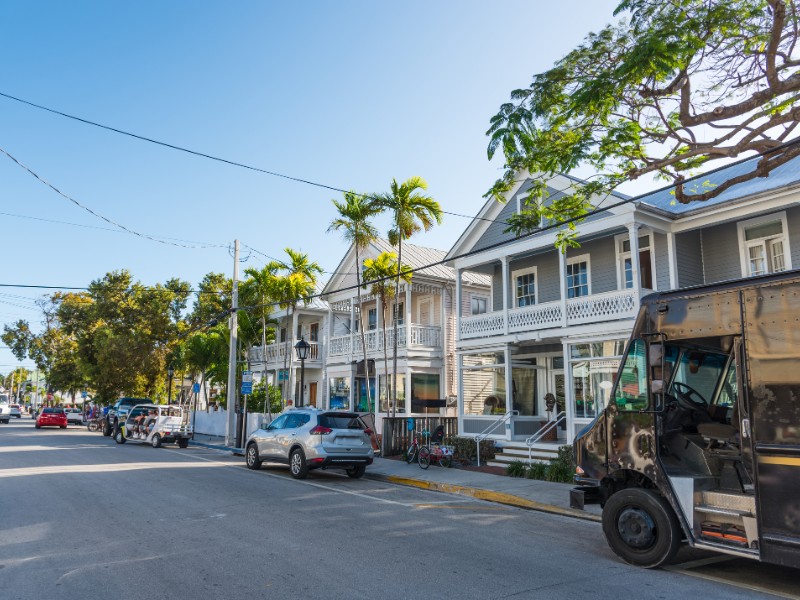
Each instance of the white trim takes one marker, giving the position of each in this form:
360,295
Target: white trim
579,259
513,282
745,245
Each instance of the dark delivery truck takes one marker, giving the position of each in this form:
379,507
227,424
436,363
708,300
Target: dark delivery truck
700,441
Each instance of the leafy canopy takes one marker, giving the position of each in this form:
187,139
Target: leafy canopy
672,88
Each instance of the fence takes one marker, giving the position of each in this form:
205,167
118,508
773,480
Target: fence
397,436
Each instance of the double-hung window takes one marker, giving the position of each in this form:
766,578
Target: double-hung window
765,245
372,319
525,287
479,305
578,277
626,264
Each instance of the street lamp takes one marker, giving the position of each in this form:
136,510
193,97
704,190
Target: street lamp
170,372
302,348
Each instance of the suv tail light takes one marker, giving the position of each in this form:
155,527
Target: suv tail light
320,430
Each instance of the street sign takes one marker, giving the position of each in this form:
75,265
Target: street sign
84,394
247,387
247,376
283,375
196,388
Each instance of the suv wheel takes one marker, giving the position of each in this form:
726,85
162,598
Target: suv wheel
297,464
356,472
106,429
251,456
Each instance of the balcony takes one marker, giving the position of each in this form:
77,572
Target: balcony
422,336
610,306
275,352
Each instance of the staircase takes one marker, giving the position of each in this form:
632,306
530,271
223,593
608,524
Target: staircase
509,452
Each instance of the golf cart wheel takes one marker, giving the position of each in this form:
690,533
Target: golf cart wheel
119,436
183,443
356,472
251,457
297,464
156,441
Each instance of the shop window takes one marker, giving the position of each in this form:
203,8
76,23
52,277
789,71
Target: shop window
593,366
524,392
424,388
340,393
483,383
401,393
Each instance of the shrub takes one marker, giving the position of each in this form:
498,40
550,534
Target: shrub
562,467
537,470
465,449
516,469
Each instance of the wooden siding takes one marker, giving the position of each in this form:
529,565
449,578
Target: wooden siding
721,253
603,263
793,221
662,261
688,248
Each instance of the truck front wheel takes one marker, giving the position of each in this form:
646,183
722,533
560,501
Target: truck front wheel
641,527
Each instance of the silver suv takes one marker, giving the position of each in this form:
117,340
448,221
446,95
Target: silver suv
308,438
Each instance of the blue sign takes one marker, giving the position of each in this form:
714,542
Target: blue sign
196,388
247,387
84,394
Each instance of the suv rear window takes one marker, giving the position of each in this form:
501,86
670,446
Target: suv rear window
56,411
341,421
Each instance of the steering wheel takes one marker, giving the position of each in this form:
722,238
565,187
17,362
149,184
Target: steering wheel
688,397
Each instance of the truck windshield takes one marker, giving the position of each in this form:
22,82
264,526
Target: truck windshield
701,371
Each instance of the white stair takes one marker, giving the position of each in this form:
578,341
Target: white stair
509,452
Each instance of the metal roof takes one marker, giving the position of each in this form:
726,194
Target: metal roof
419,256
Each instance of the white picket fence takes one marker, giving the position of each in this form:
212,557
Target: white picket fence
213,422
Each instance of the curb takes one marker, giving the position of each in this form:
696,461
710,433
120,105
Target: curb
489,496
236,451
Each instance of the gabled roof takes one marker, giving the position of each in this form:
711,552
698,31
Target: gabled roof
786,175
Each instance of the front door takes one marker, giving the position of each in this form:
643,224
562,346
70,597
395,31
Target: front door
312,394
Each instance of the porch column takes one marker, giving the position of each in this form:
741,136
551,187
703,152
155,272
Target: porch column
633,235
457,304
407,399
673,261
352,326
509,392
504,262
569,394
460,395
562,282
408,316
378,325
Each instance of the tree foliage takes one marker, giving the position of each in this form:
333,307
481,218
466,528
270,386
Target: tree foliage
668,90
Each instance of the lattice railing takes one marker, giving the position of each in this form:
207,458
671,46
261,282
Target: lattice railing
536,316
601,307
426,335
339,345
484,325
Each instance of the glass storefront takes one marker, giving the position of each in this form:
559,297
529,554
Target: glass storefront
362,403
524,386
424,387
594,366
401,393
484,384
340,393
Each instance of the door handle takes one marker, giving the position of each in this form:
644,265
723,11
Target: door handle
294,434
745,428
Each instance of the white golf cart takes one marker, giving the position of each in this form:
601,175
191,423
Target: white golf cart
156,424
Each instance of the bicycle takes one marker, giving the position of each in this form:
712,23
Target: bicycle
436,452
412,453
94,424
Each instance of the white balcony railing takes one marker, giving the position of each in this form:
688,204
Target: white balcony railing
275,352
610,306
421,336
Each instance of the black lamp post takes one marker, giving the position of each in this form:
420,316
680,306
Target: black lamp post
302,348
170,372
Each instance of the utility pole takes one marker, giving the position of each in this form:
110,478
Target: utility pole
230,430
35,401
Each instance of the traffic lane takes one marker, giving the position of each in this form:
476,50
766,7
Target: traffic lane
741,572
225,532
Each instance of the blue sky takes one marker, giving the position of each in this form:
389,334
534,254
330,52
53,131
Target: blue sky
349,94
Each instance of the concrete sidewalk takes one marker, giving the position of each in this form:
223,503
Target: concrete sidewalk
530,494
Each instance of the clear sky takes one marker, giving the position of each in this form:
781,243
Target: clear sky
349,94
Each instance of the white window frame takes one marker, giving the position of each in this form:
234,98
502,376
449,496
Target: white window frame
519,272
521,199
479,297
401,312
369,325
579,259
310,329
622,255
745,245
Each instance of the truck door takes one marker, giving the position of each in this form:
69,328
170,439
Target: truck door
772,356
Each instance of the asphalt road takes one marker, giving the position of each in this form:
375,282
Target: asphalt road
84,518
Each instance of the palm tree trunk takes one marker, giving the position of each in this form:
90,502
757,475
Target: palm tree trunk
264,359
363,333
286,356
289,338
396,297
386,357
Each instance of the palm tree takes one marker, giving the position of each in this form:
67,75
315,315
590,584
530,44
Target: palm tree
296,282
354,223
411,212
378,273
204,353
259,289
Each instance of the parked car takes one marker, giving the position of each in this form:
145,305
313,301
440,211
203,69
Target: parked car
16,411
155,424
5,413
74,415
117,413
52,417
309,438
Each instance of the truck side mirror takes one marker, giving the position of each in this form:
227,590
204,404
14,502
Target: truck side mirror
657,386
655,355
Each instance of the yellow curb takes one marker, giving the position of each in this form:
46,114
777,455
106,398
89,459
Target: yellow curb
497,497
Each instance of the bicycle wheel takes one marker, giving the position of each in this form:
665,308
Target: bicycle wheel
424,457
411,455
445,460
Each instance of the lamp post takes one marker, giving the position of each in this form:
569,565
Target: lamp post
302,348
170,372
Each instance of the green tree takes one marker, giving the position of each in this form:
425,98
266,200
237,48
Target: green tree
411,212
357,229
378,274
296,281
673,88
213,301
205,353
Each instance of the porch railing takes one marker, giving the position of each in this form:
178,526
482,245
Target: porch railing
274,353
490,429
421,335
397,436
546,428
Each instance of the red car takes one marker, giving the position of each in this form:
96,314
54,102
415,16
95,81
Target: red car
52,417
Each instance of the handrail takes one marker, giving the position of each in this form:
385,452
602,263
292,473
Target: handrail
562,416
485,433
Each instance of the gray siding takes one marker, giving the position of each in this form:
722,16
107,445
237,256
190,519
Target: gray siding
662,261
547,279
497,288
721,253
603,263
793,221
688,250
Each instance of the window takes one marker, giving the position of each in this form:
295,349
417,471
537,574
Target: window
578,277
631,390
299,331
400,315
314,332
424,386
484,383
340,393
296,420
283,334
525,287
479,305
765,245
372,319
278,423
625,265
